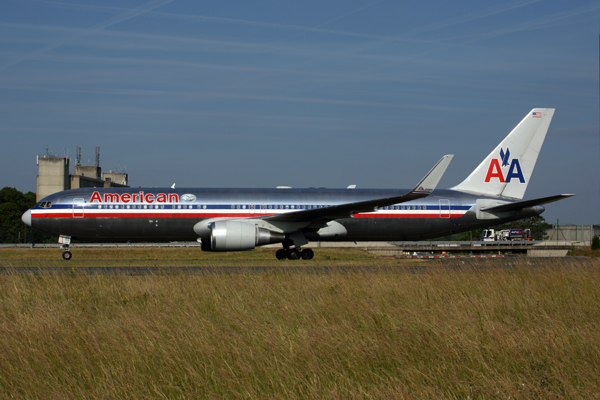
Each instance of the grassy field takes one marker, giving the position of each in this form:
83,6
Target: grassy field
444,332
175,256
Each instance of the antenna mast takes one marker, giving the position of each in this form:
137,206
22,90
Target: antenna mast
77,156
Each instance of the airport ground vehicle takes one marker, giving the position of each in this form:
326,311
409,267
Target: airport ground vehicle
491,235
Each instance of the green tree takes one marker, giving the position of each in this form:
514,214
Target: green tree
13,204
23,201
10,222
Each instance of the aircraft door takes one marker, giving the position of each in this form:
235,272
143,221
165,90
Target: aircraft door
252,209
444,208
78,208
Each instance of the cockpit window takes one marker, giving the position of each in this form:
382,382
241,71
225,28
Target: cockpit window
43,205
49,204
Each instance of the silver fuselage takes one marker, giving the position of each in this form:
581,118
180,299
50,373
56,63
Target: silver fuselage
170,214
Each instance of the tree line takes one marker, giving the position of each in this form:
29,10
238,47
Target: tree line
13,204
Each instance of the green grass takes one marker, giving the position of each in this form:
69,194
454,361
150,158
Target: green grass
180,256
441,333
585,252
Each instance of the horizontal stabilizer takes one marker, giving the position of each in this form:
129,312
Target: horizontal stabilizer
519,205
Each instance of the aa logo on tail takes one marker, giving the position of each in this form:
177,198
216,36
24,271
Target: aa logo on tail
495,171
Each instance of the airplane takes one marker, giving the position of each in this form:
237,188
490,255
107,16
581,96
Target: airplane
243,219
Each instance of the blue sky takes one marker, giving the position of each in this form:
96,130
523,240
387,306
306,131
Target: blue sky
313,93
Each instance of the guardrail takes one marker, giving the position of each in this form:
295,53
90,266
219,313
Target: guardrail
412,244
474,243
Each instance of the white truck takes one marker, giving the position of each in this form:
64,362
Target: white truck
492,235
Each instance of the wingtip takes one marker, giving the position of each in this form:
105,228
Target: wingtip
433,177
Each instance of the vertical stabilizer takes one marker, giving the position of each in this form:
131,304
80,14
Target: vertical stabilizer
506,171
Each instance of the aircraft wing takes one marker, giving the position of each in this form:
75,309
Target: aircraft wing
423,189
527,203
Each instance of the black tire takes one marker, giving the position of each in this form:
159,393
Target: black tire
281,254
307,254
293,254
67,255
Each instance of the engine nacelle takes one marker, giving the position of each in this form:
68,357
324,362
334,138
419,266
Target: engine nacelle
239,236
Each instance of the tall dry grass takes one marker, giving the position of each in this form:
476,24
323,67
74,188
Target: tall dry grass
458,332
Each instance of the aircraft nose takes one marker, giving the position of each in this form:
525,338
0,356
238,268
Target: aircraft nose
26,218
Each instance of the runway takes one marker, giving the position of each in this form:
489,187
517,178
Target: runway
289,268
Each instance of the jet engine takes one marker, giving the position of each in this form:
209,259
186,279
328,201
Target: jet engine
239,236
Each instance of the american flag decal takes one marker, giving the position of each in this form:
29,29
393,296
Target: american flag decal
536,115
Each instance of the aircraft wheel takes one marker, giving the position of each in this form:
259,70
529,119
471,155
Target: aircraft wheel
293,254
307,254
67,255
281,254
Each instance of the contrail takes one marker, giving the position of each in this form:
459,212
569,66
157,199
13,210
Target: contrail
95,28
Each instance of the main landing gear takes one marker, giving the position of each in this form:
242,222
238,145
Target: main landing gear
294,254
297,240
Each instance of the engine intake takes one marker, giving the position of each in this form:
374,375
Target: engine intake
239,236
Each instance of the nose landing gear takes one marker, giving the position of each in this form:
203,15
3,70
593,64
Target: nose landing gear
66,255
64,242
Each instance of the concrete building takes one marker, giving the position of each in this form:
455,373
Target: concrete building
89,171
53,175
117,178
576,234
